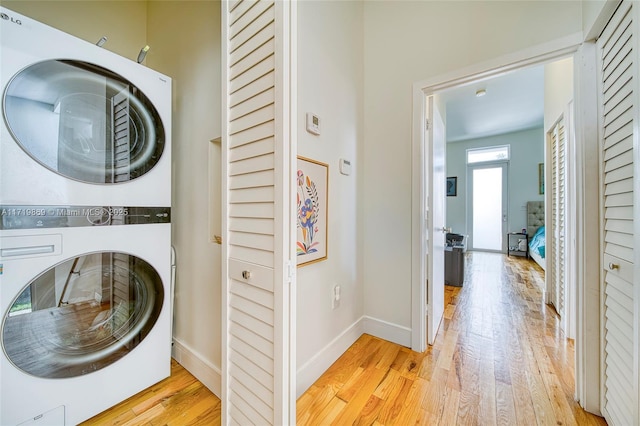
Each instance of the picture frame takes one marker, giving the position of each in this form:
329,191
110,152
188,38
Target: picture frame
312,186
541,178
452,186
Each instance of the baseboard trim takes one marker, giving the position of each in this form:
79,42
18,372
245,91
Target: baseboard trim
311,370
318,364
388,331
203,370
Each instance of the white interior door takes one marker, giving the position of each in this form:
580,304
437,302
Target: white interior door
556,257
620,164
258,361
436,227
488,215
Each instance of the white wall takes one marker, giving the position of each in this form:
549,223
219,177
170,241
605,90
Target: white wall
185,44
123,23
404,44
527,151
330,84
558,90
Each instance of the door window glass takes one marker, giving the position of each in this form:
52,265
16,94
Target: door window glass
83,121
82,315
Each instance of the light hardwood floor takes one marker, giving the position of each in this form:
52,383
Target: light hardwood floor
500,358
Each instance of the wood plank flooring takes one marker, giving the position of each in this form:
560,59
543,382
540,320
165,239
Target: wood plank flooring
179,400
499,359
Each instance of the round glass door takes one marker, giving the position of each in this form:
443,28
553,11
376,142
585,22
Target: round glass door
83,121
82,315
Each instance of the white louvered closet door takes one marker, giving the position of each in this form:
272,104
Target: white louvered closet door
557,255
258,377
618,57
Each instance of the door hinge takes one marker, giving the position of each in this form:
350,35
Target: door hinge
291,270
426,124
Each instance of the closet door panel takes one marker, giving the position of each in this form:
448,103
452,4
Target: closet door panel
618,78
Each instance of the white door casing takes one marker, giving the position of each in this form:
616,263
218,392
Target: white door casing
258,157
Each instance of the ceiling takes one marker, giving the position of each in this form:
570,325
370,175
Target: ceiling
513,102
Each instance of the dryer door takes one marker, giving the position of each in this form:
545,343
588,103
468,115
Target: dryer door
82,315
83,121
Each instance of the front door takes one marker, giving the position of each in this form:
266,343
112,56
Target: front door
489,214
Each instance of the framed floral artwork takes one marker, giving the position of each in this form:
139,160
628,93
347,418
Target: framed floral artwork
312,189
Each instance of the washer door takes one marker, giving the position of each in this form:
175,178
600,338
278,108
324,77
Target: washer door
83,121
82,315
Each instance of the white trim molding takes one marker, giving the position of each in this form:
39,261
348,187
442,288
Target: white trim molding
311,370
196,364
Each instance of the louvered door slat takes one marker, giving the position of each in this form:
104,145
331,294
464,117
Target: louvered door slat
240,350
237,11
257,56
256,40
620,186
621,82
619,174
617,162
254,104
260,85
618,147
251,23
253,382
261,194
252,180
252,148
621,213
252,74
254,118
255,226
618,200
263,329
618,96
619,115
252,165
624,226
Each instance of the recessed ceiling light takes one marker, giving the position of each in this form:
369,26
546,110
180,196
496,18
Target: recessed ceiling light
480,92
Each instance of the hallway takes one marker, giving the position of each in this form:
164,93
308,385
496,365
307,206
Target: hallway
500,358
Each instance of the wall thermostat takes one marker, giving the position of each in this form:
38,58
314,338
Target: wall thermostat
345,167
313,123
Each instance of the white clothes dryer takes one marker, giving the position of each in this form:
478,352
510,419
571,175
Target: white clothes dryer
81,125
85,309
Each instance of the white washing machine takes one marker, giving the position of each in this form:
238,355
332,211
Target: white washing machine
81,125
86,309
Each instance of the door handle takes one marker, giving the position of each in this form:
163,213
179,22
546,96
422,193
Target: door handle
446,230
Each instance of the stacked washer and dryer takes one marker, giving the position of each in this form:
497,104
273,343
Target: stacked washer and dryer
85,229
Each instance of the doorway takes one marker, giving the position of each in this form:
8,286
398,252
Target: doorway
487,198
438,86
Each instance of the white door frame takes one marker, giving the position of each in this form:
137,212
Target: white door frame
547,52
587,383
